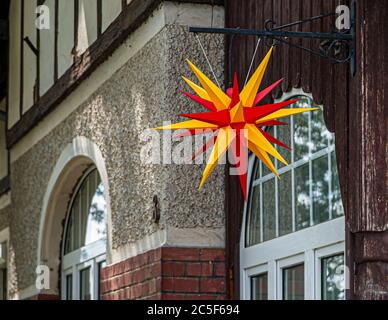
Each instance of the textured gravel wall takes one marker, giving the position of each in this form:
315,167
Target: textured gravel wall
140,95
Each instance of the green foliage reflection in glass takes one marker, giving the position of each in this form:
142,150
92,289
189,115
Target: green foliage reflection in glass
307,192
333,278
87,215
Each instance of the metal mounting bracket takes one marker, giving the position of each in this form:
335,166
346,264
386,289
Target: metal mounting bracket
338,47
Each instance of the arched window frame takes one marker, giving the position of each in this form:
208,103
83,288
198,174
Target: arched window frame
271,257
90,257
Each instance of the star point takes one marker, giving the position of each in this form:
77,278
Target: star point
237,119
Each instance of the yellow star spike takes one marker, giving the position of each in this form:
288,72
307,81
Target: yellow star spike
197,89
248,94
284,113
217,96
263,156
253,135
224,140
191,124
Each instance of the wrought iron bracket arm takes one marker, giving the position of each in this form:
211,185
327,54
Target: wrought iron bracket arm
336,47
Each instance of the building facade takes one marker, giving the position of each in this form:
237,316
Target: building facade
82,216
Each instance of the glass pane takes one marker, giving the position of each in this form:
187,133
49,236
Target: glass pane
333,278
96,225
264,168
87,221
69,235
256,170
321,190
293,283
254,232
76,224
69,287
3,284
101,266
337,208
85,288
302,197
269,214
259,286
284,135
285,203
319,133
301,130
84,203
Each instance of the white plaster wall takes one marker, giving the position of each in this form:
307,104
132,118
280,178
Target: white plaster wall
47,42
87,24
110,10
29,58
14,63
65,35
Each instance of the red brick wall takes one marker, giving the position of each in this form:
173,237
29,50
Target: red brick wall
167,273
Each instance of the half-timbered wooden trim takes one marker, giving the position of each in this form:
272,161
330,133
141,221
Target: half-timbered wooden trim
99,18
130,19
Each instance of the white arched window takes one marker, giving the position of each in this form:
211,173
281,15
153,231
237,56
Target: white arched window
292,244
84,244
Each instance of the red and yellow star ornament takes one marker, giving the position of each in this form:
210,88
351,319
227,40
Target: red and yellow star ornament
237,119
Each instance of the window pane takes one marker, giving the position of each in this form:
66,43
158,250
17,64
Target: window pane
253,232
69,287
96,225
302,197
319,133
333,278
69,235
3,284
85,288
76,224
84,210
336,201
264,168
285,203
284,135
259,286
301,130
87,221
256,170
269,214
321,190
293,283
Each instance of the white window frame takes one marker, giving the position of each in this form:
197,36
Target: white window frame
307,246
88,256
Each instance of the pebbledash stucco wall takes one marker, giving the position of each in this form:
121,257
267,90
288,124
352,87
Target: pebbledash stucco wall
140,95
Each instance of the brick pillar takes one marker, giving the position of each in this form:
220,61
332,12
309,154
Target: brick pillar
167,273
